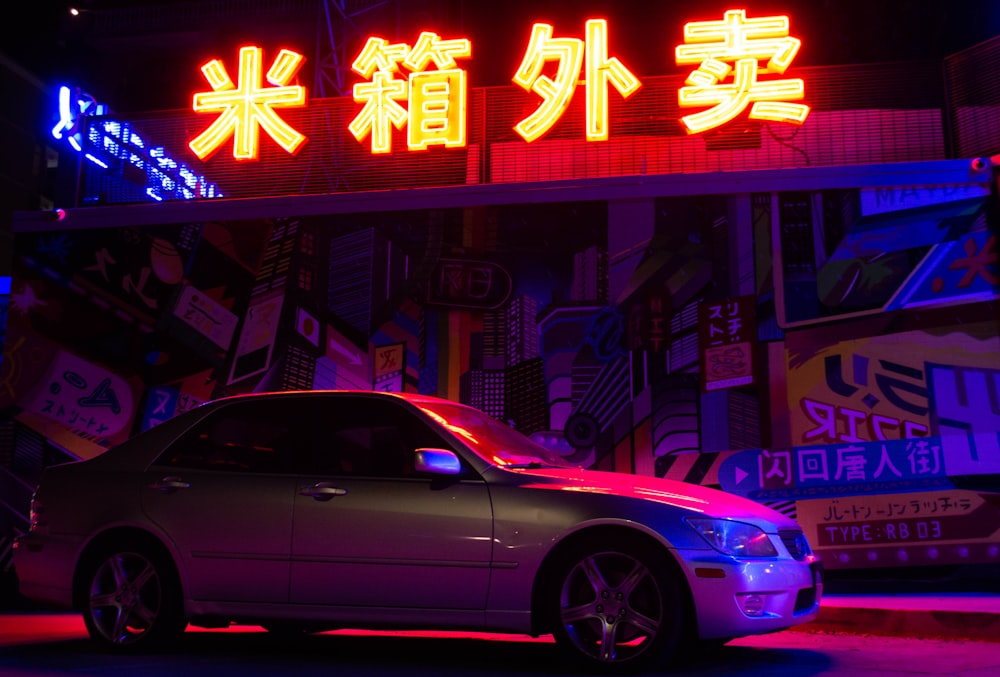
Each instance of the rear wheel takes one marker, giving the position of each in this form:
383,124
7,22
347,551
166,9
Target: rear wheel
617,607
133,600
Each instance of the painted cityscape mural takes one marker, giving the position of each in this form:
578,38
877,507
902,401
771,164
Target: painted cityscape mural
834,354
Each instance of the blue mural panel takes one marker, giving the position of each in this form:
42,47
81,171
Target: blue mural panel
836,469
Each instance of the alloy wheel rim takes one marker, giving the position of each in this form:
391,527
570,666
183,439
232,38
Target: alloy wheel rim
611,607
125,598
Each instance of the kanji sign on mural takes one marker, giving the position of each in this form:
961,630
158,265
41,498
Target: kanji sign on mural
735,46
837,469
255,346
389,367
85,397
728,334
939,527
247,107
469,283
892,386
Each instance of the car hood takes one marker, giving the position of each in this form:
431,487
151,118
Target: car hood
706,500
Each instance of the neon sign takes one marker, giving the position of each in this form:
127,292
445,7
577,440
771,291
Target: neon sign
744,42
432,103
109,143
247,107
437,99
74,106
599,72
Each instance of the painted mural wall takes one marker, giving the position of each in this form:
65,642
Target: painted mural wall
835,354
891,390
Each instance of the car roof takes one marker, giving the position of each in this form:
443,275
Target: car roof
139,449
415,398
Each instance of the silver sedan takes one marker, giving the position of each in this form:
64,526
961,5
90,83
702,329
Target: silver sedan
310,511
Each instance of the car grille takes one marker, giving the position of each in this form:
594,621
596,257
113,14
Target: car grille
796,543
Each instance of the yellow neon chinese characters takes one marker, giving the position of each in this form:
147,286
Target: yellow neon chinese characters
736,46
437,99
557,92
247,107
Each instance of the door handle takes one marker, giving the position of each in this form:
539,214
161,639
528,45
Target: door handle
169,485
322,491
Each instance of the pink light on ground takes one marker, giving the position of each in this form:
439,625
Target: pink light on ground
18,629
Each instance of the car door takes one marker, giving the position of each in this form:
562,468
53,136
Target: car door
368,532
223,494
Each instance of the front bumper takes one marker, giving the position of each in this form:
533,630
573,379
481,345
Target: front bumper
734,598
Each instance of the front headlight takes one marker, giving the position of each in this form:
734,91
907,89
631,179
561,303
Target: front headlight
736,539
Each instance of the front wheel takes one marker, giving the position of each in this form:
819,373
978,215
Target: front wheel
617,610
133,602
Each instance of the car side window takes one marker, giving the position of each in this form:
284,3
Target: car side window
240,437
366,437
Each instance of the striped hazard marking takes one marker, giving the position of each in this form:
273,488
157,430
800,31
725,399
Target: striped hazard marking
703,469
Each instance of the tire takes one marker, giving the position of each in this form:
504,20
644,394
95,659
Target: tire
133,601
617,609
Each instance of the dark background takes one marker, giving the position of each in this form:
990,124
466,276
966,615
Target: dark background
140,64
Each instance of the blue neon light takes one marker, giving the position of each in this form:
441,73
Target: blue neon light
112,145
97,161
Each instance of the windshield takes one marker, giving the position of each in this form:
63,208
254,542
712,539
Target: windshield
496,442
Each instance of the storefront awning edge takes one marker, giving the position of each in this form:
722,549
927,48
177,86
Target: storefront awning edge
940,172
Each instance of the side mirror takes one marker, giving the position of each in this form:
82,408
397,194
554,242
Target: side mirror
437,462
